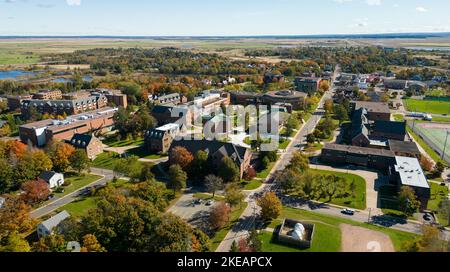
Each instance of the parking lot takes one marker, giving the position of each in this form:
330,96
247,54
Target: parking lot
192,213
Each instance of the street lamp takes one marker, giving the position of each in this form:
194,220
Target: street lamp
445,145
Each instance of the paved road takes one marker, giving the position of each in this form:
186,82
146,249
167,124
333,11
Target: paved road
247,219
60,202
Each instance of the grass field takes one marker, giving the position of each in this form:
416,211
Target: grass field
327,237
438,193
105,160
356,199
112,142
433,107
251,185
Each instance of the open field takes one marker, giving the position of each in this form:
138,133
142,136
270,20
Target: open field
433,107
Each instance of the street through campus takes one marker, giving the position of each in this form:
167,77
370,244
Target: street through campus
247,220
107,176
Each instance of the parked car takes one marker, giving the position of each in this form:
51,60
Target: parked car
198,201
348,211
209,202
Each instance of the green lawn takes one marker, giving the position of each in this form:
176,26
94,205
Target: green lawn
264,173
77,182
251,185
142,153
208,196
438,193
220,235
356,200
284,144
113,142
82,205
327,237
106,160
313,147
428,106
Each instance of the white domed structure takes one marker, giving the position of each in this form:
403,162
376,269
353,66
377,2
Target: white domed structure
299,232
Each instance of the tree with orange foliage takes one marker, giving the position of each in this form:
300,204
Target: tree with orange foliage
17,148
181,156
35,191
91,244
243,246
15,217
426,164
60,154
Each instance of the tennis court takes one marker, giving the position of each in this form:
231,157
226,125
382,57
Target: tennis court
434,135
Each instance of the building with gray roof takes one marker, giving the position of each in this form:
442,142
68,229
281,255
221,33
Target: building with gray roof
50,225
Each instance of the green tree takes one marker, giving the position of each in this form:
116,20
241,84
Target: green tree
177,178
254,241
270,206
15,243
233,194
341,113
6,176
408,202
234,247
228,170
199,167
213,184
50,243
151,191
79,161
299,162
331,186
31,165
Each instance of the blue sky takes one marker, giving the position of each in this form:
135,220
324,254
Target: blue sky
221,17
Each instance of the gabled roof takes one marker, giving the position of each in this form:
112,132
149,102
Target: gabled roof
161,109
54,221
155,134
47,175
81,140
236,153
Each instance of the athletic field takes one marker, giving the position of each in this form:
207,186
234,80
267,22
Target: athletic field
427,106
434,135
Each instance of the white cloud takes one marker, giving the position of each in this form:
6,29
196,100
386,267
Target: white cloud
421,9
373,2
396,5
73,2
342,1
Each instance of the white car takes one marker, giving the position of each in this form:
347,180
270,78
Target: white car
209,202
348,211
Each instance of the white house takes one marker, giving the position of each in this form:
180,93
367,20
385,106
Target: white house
52,178
48,226
2,201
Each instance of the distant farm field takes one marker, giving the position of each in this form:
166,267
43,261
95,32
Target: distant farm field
433,107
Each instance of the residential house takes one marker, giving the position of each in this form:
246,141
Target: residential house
89,143
395,84
50,225
2,201
271,78
52,178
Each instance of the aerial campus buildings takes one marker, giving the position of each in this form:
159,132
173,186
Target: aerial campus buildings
378,143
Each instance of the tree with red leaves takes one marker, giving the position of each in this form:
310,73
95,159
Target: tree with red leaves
181,156
35,191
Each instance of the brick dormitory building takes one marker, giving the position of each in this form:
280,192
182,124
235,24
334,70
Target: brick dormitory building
41,132
381,144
